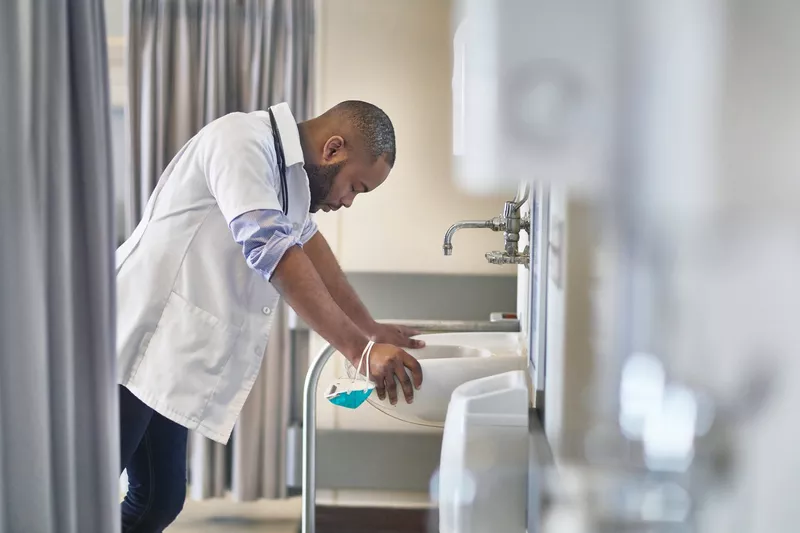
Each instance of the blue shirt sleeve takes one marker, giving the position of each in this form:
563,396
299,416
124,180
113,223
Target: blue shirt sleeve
309,229
265,236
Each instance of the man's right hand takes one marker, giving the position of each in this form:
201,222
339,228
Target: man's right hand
387,366
298,281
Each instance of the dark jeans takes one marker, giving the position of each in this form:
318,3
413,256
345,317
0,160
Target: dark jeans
153,451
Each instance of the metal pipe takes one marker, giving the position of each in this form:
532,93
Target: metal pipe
310,404
512,222
522,197
447,247
309,523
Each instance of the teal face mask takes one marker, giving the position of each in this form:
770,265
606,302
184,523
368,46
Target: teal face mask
350,398
351,394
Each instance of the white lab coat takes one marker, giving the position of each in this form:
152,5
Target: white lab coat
192,319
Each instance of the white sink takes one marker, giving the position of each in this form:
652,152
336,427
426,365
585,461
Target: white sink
449,360
449,351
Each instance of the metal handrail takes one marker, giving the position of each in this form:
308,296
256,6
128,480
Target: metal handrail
310,402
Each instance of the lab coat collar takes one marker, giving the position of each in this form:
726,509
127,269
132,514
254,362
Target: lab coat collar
290,134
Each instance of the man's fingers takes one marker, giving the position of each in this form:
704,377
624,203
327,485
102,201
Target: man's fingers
416,370
408,342
391,388
389,367
416,343
405,382
412,343
380,388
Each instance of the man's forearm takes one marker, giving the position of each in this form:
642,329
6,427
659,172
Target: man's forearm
298,281
330,272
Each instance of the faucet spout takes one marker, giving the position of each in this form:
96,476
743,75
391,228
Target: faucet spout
447,247
510,224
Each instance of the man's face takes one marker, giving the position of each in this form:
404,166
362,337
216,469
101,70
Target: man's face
336,183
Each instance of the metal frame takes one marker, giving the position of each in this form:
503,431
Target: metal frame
540,237
310,404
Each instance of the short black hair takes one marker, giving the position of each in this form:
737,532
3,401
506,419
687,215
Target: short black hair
374,126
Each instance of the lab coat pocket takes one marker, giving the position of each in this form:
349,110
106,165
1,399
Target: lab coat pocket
186,357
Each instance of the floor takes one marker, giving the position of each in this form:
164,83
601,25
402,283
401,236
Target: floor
375,520
218,516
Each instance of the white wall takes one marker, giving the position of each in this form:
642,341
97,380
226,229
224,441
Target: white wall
398,55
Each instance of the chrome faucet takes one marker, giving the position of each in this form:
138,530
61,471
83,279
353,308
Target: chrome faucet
510,224
495,224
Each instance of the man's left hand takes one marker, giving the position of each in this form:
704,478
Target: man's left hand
400,336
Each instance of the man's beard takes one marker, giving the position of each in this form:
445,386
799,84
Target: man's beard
320,181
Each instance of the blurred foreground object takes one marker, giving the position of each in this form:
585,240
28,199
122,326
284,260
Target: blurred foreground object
59,450
667,131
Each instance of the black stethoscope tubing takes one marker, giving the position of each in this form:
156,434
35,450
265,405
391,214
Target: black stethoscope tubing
276,135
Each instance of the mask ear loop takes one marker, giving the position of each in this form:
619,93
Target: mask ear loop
364,354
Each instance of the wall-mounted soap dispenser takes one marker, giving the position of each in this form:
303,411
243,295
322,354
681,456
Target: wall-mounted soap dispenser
529,102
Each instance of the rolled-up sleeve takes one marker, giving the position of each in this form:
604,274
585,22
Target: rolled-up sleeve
265,236
309,229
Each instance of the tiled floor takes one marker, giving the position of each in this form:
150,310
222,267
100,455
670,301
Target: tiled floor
225,516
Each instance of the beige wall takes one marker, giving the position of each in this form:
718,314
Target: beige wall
398,55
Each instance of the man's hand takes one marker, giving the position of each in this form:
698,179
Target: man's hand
320,254
396,335
299,283
387,362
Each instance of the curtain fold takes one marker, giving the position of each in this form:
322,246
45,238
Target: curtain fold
190,62
58,409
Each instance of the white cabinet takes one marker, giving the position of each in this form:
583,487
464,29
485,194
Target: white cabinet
398,55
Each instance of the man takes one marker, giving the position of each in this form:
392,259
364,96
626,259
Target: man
225,233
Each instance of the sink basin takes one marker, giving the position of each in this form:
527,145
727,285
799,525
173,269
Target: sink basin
449,351
449,360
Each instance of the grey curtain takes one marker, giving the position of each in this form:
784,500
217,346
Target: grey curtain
189,62
58,409
192,61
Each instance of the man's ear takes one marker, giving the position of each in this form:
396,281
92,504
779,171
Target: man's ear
333,149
